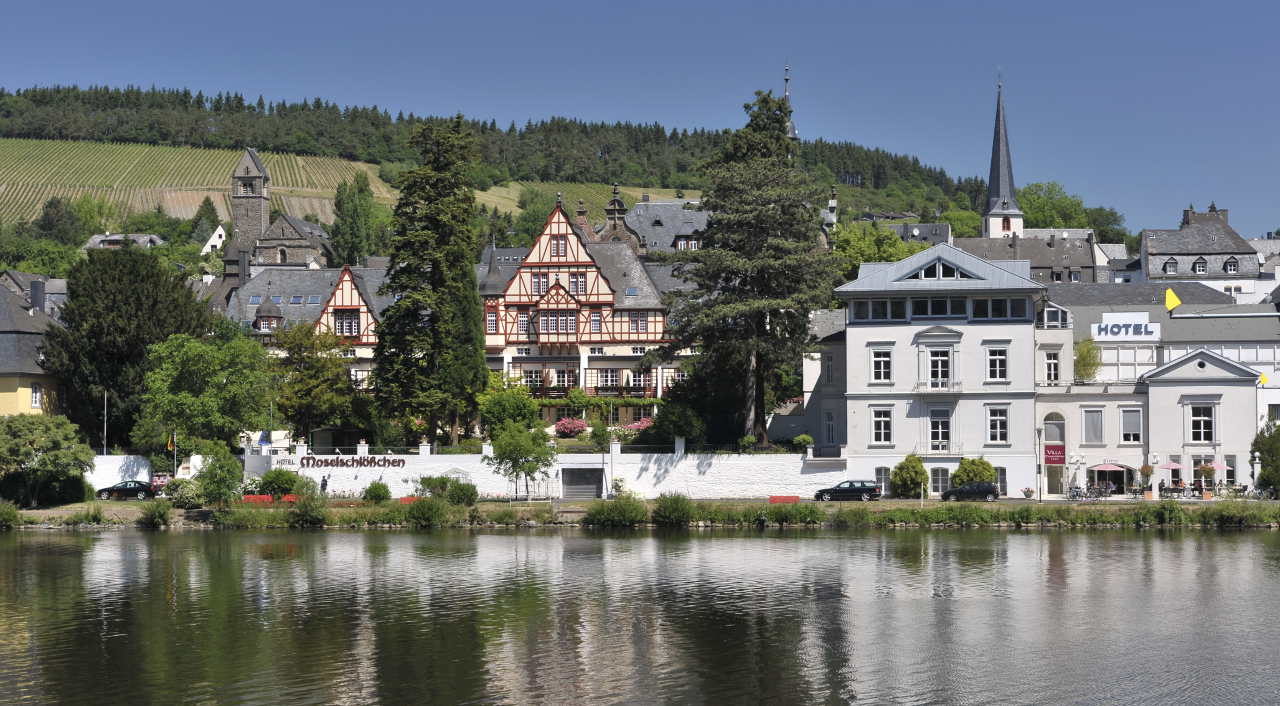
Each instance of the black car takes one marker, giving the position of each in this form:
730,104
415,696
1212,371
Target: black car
850,490
127,490
973,491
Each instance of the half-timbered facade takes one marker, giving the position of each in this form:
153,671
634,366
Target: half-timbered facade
571,313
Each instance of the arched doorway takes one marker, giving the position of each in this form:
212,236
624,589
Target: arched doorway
1055,434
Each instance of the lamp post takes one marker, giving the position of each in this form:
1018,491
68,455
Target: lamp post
1039,466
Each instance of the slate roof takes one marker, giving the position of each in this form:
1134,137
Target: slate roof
1188,330
1114,251
305,228
828,324
21,335
932,233
1129,293
257,164
505,263
1204,233
623,269
659,223
1266,247
1056,232
146,240
288,282
1072,252
886,277
1001,194
664,278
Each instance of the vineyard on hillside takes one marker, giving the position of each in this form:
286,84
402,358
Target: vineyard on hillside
506,197
139,177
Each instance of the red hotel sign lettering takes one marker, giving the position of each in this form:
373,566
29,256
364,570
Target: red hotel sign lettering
1055,454
351,462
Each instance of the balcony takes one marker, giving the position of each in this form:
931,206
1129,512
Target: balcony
938,386
622,391
938,448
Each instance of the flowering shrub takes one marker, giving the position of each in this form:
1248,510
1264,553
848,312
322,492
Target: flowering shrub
570,427
639,425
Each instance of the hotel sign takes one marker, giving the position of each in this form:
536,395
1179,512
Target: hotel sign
1055,454
351,462
1133,326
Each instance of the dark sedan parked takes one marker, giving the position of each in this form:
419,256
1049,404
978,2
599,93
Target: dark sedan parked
973,491
127,490
850,490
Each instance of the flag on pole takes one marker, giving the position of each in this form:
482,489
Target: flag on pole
173,441
1171,300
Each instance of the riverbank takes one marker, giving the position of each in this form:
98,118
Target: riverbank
880,515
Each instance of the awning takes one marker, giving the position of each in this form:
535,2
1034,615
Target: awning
1219,466
1106,467
1171,466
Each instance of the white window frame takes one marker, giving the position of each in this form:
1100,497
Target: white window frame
940,436
608,377
939,382
37,395
596,321
1124,436
997,364
532,377
491,322
1231,266
1053,366
348,316
882,478
939,480
522,322
638,322
1206,433
1170,267
525,350
882,365
997,425
1200,266
1084,426
881,426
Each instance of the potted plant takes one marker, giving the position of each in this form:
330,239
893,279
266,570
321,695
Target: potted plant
1206,472
1146,472
1028,492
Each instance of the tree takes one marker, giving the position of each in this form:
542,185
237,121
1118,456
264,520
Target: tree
521,453
973,470
505,401
203,388
909,479
1048,205
964,223
207,213
41,449
1266,444
46,257
1107,224
58,222
314,387
220,475
856,243
430,354
1088,359
352,232
95,215
118,303
760,273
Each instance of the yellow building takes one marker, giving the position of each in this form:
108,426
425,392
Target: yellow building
24,386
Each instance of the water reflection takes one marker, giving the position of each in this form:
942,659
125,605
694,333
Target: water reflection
538,617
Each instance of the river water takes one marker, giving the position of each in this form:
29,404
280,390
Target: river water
572,616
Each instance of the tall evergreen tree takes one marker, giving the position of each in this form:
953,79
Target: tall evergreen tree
119,302
207,213
430,355
352,232
58,222
761,273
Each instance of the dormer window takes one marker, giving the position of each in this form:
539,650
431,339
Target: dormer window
282,256
1200,266
1231,266
940,270
657,223
1170,267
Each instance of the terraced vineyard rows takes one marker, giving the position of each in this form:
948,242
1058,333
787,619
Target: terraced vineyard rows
141,176
594,196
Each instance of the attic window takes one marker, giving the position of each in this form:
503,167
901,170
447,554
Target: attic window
255,299
313,299
633,292
1231,266
1200,266
657,223
295,299
940,270
1170,267
276,298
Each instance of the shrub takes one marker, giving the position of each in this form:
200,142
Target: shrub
309,509
503,516
808,514
240,517
973,470
600,436
9,517
570,427
674,419
91,515
277,482
464,446
747,443
674,510
852,517
625,511
183,493
802,441
377,492
426,513
435,486
250,486
219,480
459,493
155,514
909,479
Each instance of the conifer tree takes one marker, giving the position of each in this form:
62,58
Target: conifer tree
352,234
207,213
760,272
430,355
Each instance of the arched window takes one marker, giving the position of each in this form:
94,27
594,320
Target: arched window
282,256
1006,224
1171,266
1200,266
1231,266
1055,428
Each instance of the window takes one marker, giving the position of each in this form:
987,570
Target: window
1199,266
1231,266
642,379
639,322
282,255
359,379
1202,423
828,362
938,308
829,427
1051,366
693,244
1273,412
246,188
37,395
882,426
997,364
882,365
532,378
940,367
595,322
1056,276
1006,224
939,478
524,350
882,478
1175,474
939,430
1015,308
491,322
295,299
313,299
346,322
632,292
1171,266
1131,426
522,322
1002,480
596,350
577,284
637,350
276,299
540,284
566,378
1231,469
1053,317
1092,426
559,246
255,299
615,415
998,425
608,377
556,322
880,310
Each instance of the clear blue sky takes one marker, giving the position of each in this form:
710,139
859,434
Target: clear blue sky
1143,106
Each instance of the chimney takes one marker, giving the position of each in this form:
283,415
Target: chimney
1052,238
582,218
37,295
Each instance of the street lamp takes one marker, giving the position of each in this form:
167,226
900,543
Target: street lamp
1039,467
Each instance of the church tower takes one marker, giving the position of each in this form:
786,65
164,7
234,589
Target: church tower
250,200
1003,218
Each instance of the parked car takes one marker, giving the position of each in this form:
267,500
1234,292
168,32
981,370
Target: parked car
850,490
127,490
973,491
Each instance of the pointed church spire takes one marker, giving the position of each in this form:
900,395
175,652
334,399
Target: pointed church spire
1001,196
786,97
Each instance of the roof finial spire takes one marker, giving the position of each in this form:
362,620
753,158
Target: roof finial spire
786,98
1001,193
615,189
559,198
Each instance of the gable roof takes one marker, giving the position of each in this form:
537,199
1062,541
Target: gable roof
887,278
1114,251
1234,369
1145,293
255,165
623,269
21,335
103,240
1043,253
288,282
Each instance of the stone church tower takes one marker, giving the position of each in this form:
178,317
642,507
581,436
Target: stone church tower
250,200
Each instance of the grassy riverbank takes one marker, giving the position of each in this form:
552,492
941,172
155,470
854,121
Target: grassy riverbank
684,512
